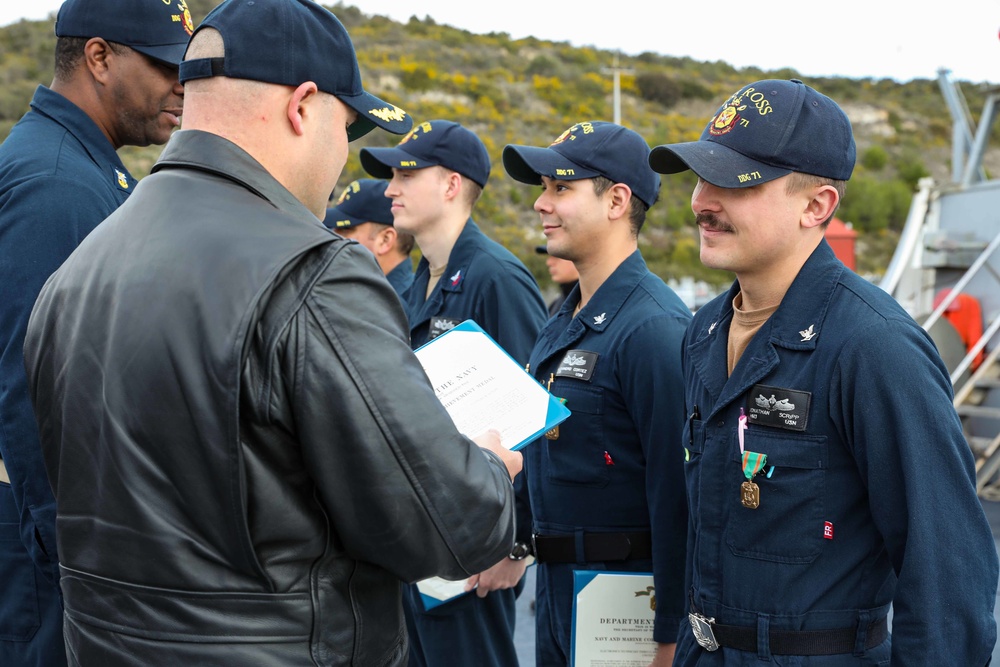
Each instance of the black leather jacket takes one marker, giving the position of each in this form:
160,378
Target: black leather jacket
246,456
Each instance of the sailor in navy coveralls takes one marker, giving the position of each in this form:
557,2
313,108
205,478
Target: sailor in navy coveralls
438,172
827,474
364,213
606,485
115,85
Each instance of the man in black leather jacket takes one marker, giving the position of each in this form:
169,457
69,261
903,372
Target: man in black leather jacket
246,456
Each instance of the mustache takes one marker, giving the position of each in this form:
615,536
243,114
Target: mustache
712,222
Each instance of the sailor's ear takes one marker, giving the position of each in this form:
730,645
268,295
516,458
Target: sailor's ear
820,207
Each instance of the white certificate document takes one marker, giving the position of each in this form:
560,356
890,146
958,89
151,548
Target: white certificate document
482,387
613,619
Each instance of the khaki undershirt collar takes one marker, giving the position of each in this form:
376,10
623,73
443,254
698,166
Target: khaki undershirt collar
745,325
432,281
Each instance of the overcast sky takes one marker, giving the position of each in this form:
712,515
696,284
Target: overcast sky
851,38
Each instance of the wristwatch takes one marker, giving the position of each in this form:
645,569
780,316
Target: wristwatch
520,551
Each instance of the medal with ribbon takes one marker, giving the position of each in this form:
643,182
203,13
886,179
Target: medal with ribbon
553,433
753,463
749,491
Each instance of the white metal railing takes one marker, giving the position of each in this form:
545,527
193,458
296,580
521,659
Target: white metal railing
969,274
909,240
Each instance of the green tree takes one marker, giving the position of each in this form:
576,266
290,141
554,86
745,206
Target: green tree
658,88
875,158
873,205
911,169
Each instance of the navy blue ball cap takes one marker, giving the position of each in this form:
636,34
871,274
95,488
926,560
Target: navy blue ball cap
160,31
289,42
764,131
433,143
361,201
586,150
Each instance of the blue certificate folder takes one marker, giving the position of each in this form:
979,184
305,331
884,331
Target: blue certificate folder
436,591
482,387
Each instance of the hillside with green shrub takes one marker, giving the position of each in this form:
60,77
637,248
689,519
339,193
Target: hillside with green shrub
528,91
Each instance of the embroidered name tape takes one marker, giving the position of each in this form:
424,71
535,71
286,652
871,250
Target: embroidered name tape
779,407
577,364
440,325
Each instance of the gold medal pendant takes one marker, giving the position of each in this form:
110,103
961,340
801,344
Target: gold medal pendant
553,433
750,492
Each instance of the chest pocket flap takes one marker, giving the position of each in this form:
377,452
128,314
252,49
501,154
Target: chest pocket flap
576,457
787,527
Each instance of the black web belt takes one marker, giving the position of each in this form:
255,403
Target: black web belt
787,642
597,547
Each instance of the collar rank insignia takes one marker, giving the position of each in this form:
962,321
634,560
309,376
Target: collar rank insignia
599,319
808,334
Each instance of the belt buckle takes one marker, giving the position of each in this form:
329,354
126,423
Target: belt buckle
702,627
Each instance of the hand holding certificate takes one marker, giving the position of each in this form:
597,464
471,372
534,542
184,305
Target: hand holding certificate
482,387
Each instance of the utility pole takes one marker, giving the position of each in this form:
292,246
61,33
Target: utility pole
616,71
